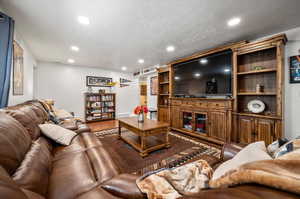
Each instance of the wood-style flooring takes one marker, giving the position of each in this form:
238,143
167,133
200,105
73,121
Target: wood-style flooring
99,126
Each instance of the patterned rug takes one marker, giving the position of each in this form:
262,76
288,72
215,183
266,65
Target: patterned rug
183,148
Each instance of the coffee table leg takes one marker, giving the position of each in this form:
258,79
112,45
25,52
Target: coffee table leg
167,138
143,146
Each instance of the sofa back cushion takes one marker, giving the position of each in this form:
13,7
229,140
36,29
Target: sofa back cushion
27,117
33,173
39,109
14,143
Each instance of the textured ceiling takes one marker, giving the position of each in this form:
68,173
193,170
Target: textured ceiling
122,31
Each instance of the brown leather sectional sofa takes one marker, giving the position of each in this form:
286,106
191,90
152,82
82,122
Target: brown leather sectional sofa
34,167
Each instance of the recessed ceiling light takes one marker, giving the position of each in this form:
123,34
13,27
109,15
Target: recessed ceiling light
75,48
197,74
124,68
141,61
170,48
234,21
177,78
84,20
203,61
71,61
226,70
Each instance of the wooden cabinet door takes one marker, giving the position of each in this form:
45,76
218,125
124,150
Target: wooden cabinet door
175,117
217,125
246,129
265,130
163,114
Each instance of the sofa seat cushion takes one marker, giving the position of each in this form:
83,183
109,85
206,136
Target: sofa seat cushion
97,193
14,143
32,195
8,188
58,134
34,171
124,186
71,176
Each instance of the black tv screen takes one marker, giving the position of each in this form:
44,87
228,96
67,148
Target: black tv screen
205,76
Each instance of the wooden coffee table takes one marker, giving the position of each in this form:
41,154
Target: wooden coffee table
143,136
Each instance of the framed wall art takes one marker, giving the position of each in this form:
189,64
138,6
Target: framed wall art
98,81
154,85
295,69
18,69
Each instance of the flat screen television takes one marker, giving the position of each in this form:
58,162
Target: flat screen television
204,77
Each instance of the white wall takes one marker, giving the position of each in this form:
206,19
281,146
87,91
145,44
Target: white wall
66,84
151,99
29,63
292,91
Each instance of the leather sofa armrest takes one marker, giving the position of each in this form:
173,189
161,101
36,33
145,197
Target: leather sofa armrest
229,150
124,186
82,128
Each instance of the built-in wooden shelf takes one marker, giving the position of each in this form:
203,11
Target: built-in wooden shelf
164,82
257,94
258,71
271,116
164,94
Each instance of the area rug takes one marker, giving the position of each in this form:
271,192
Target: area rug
182,149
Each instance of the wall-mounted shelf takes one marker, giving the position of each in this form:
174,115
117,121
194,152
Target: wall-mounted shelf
258,71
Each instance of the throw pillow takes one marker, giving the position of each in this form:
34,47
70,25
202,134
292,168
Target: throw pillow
286,148
62,114
58,134
253,152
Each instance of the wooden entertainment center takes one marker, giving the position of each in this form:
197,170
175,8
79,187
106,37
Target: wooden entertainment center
221,120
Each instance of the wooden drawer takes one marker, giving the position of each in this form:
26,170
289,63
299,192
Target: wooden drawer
201,104
176,102
218,105
188,103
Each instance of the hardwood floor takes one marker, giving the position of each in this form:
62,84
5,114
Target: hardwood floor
99,126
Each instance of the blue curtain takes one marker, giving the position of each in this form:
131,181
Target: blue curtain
6,53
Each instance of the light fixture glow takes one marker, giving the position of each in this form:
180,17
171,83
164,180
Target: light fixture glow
234,21
71,61
141,61
124,68
83,20
170,49
177,78
203,61
226,70
197,74
75,48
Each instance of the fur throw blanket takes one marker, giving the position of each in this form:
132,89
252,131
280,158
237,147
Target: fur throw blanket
281,173
173,183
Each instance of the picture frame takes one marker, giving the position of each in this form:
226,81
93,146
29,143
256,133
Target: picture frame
295,69
154,85
94,81
18,69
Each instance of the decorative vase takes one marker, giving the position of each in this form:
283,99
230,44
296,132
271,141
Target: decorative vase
141,118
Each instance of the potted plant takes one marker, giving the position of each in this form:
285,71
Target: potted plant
140,111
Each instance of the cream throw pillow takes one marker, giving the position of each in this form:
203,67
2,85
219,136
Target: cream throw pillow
253,152
62,114
57,133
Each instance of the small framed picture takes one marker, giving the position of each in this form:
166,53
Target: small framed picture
154,85
295,69
98,81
